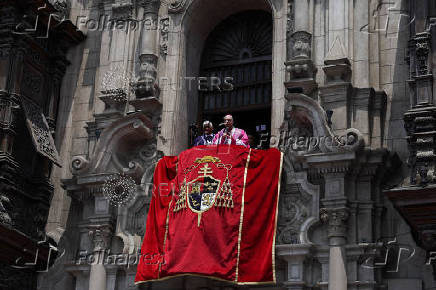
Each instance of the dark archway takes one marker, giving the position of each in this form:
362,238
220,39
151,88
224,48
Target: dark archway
240,47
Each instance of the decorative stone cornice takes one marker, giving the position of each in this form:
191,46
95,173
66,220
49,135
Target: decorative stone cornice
337,65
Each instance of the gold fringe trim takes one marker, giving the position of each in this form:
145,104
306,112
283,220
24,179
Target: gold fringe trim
165,236
206,276
275,223
242,216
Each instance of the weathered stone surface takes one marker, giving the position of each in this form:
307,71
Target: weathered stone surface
352,72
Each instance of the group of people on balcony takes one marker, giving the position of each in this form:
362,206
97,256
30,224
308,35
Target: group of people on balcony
228,135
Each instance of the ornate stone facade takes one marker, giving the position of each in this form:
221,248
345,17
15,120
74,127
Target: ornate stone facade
331,83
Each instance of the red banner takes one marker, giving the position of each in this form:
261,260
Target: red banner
213,213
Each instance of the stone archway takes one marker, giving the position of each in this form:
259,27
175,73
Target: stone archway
190,24
237,59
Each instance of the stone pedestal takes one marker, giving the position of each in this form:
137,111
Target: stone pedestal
295,256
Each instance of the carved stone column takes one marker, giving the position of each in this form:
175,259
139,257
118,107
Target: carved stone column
147,86
336,218
101,238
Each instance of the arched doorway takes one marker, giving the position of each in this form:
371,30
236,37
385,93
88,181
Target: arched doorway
239,47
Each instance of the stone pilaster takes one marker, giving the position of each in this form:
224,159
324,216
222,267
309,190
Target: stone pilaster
101,239
147,85
336,95
336,218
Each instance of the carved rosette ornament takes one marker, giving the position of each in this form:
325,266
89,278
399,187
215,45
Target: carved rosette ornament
101,236
336,218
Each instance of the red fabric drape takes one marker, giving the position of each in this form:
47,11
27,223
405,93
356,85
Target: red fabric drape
227,230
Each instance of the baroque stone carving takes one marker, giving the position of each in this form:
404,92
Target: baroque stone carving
146,86
164,29
420,126
296,129
305,129
176,6
420,120
5,219
300,67
79,164
336,219
100,236
290,18
301,44
294,210
122,10
422,50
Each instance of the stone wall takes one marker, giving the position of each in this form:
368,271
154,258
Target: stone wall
357,69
